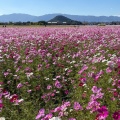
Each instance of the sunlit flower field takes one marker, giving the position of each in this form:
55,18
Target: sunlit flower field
58,73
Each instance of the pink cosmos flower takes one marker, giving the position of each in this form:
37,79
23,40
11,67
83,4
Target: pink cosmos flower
48,116
18,101
6,74
67,103
93,106
29,91
72,119
83,69
57,109
49,87
6,94
108,70
99,95
63,107
41,113
77,106
98,75
19,85
58,84
61,113
95,89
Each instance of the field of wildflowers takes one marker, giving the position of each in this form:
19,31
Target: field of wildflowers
60,73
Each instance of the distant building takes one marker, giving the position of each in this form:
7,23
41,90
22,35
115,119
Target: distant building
54,22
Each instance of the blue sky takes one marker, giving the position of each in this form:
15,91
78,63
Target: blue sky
75,7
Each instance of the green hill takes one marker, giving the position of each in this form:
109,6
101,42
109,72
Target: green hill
63,20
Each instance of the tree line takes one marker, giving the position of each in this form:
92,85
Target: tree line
72,23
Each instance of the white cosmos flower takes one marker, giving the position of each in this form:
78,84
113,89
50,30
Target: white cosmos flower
55,118
2,118
104,60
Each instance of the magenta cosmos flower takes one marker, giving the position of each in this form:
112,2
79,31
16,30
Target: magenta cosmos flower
116,115
102,113
14,98
1,105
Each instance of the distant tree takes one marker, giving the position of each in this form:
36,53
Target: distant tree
18,23
28,23
10,23
42,23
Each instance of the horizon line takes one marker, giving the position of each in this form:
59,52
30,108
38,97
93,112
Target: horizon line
61,14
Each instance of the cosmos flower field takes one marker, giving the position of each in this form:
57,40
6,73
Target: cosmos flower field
70,73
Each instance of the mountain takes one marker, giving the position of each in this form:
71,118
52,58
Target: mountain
25,17
60,18
17,17
93,18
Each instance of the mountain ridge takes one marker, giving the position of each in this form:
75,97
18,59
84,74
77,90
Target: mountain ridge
20,17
